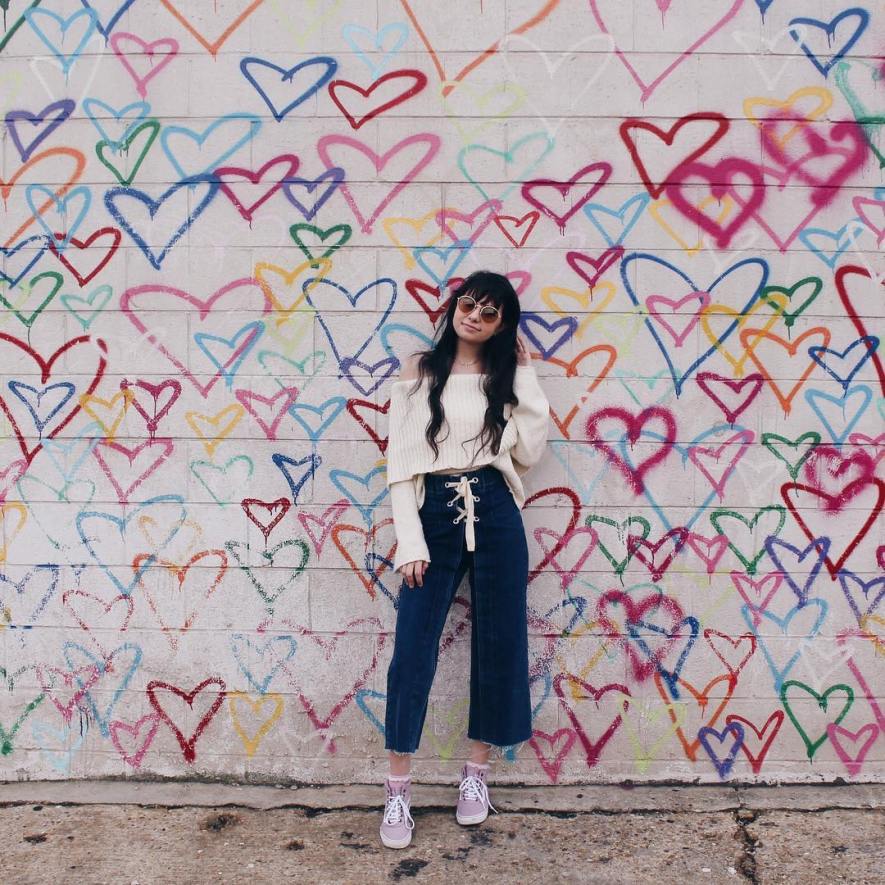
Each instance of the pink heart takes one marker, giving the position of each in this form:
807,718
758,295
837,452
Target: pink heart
166,48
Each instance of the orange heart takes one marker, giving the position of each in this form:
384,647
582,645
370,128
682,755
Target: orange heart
359,567
477,60
750,337
215,45
571,371
7,186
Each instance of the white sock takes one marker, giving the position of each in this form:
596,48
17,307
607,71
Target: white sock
479,764
399,777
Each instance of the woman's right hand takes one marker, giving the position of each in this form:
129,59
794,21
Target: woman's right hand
413,572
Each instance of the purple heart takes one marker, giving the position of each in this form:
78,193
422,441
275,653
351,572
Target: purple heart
817,550
734,730
335,176
873,592
50,118
568,325
387,365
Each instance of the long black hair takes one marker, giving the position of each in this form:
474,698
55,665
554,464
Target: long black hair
498,354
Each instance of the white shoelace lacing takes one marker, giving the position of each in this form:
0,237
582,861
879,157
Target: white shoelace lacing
474,789
463,490
396,809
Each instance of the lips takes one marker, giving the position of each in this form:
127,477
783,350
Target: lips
472,328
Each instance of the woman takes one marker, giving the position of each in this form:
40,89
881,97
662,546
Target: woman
476,384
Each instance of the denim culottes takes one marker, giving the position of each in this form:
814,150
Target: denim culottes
474,508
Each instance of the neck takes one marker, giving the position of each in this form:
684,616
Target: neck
468,353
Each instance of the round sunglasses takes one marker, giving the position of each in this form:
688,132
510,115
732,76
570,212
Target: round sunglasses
487,313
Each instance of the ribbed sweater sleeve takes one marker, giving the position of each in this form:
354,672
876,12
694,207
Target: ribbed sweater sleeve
532,418
410,543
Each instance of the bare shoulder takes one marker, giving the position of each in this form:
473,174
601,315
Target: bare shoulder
409,367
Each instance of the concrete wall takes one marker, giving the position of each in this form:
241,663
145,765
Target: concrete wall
196,538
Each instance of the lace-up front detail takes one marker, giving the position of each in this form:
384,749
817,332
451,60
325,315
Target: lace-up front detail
464,491
397,810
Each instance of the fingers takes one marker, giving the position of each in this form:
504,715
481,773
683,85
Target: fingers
413,572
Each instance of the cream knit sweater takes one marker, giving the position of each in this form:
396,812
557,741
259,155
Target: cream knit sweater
409,456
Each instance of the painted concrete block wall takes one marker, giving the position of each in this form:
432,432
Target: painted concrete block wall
223,226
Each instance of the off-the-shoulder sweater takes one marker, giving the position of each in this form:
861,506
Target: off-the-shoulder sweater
409,456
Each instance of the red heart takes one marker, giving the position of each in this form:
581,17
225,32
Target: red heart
276,510
635,425
733,642
551,759
626,129
64,257
419,81
600,265
592,748
756,760
564,189
635,543
353,406
152,720
158,412
289,161
187,744
516,223
843,275
572,522
72,407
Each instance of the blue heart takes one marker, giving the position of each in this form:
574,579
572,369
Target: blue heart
33,17
119,525
568,325
11,251
336,477
302,412
81,194
229,367
183,132
335,176
628,213
844,239
565,451
104,665
62,451
873,593
400,31
670,677
813,397
34,401
156,259
817,352
360,697
736,731
750,615
829,28
21,585
681,376
310,463
115,16
327,65
56,113
763,6
253,650
445,258
820,547
140,108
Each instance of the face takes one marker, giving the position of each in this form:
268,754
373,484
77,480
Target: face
472,326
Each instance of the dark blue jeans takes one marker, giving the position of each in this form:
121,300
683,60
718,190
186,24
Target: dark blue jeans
500,706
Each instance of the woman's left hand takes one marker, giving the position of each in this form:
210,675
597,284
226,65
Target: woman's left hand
522,352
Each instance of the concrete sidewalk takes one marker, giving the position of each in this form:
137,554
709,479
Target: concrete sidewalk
185,832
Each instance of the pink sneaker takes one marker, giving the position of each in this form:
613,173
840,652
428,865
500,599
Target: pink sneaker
397,823
473,798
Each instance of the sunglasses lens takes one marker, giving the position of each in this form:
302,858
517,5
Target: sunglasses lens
489,314
466,304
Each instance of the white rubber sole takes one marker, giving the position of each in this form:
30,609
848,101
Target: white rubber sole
472,818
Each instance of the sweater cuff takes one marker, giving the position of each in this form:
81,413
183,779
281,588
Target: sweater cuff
410,543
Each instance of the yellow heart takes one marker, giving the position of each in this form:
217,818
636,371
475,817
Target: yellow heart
415,226
113,409
713,310
637,719
284,288
9,512
489,102
673,222
254,705
290,331
311,16
456,718
824,102
212,429
550,294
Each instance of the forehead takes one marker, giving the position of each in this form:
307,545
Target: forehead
482,297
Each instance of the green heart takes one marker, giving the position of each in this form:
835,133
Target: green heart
27,288
619,564
790,316
811,746
771,440
302,377
126,180
751,561
510,159
870,121
9,31
269,595
343,231
197,466
102,293
6,735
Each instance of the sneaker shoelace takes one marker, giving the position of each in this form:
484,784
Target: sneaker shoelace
474,789
396,809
